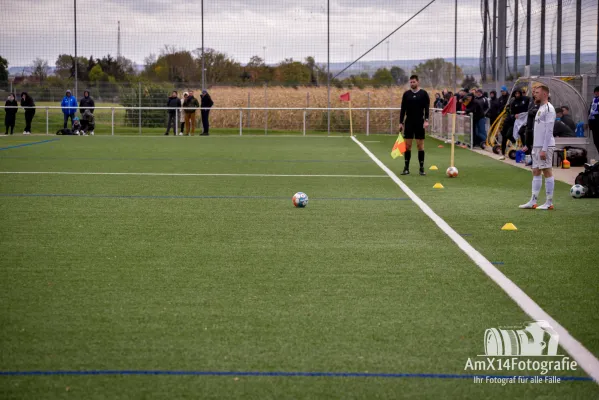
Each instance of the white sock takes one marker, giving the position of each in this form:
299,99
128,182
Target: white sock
537,183
549,185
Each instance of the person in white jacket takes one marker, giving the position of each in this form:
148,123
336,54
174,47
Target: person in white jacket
182,114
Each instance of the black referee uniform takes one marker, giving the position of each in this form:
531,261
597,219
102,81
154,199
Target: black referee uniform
414,109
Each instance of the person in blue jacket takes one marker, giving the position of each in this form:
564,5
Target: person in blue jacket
69,107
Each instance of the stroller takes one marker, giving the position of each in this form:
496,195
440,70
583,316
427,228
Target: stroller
88,123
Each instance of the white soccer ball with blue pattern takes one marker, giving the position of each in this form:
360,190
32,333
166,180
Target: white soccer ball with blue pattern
578,191
300,199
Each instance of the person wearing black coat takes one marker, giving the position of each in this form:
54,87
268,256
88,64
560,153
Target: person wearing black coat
27,101
173,103
11,113
86,103
206,104
475,107
495,107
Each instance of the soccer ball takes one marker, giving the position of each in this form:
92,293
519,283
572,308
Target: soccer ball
578,191
452,172
300,199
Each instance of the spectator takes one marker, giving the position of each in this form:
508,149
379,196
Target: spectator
594,118
518,105
86,103
69,107
494,107
479,96
207,103
172,103
190,104
29,105
480,124
182,114
439,103
460,97
88,123
77,126
504,99
567,118
560,129
474,106
10,116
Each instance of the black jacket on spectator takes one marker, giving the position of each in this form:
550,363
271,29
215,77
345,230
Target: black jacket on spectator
566,119
207,101
173,103
494,109
560,129
86,103
519,105
475,108
503,100
28,102
11,112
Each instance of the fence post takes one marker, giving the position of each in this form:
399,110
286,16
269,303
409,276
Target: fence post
47,121
368,116
240,121
176,121
304,122
139,123
265,109
391,113
307,106
471,132
112,120
249,112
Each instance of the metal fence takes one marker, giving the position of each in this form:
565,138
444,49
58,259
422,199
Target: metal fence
239,121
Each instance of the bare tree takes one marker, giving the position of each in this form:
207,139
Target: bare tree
40,69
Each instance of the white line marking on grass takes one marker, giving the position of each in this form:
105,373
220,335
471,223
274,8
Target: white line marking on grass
583,357
190,174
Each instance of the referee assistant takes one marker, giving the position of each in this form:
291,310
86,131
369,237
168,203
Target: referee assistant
415,105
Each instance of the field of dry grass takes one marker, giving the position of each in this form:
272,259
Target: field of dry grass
315,97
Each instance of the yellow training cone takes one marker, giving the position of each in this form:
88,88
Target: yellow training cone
509,227
438,186
434,168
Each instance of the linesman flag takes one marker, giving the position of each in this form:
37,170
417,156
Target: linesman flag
398,148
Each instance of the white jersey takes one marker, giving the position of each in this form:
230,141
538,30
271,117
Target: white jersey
543,130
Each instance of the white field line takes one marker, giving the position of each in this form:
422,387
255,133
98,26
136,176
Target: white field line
184,174
579,353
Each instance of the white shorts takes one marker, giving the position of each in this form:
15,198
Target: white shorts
542,164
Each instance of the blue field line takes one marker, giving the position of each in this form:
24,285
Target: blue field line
110,196
284,374
179,159
27,144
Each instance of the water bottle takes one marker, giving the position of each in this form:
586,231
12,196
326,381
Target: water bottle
580,129
519,156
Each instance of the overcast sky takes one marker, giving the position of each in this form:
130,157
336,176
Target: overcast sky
241,28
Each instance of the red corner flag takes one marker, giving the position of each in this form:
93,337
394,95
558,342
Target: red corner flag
450,107
344,97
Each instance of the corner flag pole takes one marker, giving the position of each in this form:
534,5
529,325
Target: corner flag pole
453,121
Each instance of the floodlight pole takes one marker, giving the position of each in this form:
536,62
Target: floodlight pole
76,60
501,43
329,67
203,68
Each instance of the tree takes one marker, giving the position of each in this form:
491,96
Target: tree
40,69
3,70
97,75
219,66
399,75
292,72
382,76
65,67
437,72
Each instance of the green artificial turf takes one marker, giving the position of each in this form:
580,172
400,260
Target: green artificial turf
221,273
